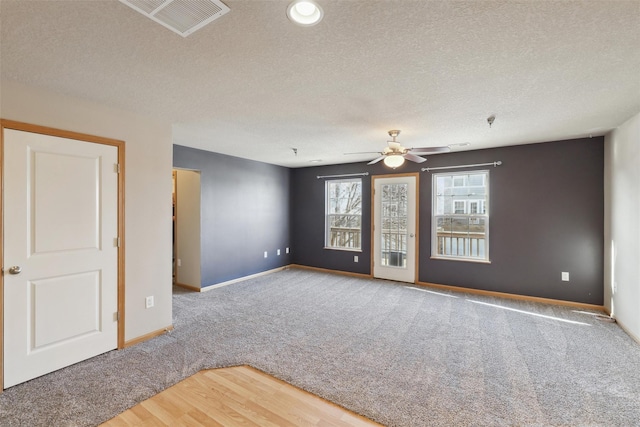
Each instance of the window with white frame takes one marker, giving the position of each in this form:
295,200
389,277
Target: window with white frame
458,181
460,216
459,206
343,214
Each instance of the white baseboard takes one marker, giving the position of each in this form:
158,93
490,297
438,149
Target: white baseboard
628,331
242,279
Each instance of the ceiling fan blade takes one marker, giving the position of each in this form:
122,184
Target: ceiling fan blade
376,160
364,152
414,158
429,150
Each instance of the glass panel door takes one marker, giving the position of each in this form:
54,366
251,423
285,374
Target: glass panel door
394,225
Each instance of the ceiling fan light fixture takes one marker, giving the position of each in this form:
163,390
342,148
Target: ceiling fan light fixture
305,12
394,160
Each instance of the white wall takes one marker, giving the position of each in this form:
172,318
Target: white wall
622,225
148,151
188,228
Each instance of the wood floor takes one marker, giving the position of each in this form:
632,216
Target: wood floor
237,396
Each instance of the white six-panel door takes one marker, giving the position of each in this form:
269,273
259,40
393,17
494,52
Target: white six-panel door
394,229
60,253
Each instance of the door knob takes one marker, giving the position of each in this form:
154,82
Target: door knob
16,269
411,235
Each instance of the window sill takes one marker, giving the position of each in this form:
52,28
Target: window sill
342,249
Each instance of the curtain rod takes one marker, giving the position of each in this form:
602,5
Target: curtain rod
343,175
494,164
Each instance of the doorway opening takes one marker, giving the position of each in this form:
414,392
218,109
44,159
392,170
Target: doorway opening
186,229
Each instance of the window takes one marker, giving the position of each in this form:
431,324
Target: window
459,206
343,217
473,207
458,181
460,220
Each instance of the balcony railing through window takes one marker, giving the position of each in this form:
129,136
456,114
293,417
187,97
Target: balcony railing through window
462,236
394,247
345,237
471,245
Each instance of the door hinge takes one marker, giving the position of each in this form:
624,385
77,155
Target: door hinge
117,242
116,167
117,316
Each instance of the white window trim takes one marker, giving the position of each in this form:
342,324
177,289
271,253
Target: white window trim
327,215
435,216
464,207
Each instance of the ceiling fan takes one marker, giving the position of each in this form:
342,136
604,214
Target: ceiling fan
395,154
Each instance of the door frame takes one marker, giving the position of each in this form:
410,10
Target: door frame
417,207
186,208
26,127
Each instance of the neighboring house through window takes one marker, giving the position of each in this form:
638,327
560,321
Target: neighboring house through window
343,214
460,222
459,206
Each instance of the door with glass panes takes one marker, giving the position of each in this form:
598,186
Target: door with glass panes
395,227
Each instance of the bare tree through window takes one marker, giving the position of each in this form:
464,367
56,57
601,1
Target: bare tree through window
343,214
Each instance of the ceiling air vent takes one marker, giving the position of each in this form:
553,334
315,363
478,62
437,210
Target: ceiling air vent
181,16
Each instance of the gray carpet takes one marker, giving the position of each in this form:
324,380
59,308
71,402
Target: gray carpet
397,354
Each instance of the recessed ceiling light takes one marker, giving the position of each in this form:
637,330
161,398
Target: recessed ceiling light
304,12
315,161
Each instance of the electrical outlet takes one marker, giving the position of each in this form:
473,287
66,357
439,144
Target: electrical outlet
565,276
278,252
148,302
355,258
286,250
179,262
265,254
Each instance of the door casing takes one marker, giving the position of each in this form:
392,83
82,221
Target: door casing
26,127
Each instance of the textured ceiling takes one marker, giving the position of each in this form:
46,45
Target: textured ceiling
252,84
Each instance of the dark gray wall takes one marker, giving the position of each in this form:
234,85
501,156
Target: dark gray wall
245,212
547,216
307,219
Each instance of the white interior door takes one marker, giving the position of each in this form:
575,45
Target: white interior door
394,233
60,252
